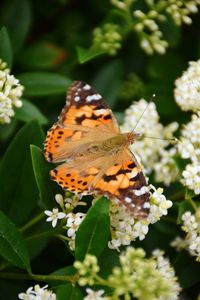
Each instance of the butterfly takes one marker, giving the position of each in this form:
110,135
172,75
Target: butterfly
94,154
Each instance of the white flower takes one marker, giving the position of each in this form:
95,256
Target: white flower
166,271
179,243
68,203
125,229
166,170
147,149
73,222
187,88
189,146
191,226
94,295
159,204
191,177
54,215
37,293
10,93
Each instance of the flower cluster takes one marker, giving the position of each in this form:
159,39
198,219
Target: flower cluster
125,229
37,293
148,31
191,242
146,24
154,155
137,276
10,93
107,38
180,10
187,88
71,220
189,148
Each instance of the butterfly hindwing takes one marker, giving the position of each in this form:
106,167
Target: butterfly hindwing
125,182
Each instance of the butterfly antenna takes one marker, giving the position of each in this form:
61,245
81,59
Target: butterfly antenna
151,100
175,140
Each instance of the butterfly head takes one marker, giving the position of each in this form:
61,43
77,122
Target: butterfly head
132,136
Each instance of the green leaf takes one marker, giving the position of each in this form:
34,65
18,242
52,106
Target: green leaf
187,270
183,206
85,55
12,245
29,112
18,189
102,79
72,292
47,188
5,47
42,55
16,16
93,233
43,83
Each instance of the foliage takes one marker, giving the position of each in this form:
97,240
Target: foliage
127,50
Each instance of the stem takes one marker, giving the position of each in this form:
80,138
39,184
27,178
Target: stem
62,237
32,222
192,203
37,277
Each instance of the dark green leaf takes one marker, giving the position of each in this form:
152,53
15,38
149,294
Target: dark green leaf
187,270
85,55
29,112
69,292
16,16
47,188
18,189
102,81
5,47
38,235
41,55
7,130
92,235
107,261
12,245
43,83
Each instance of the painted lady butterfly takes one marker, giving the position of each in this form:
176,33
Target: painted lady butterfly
95,155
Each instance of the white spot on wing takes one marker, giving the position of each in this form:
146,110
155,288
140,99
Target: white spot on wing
100,111
146,205
141,192
86,87
128,200
77,98
93,97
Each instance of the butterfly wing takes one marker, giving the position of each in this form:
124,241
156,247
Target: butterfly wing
119,178
78,124
124,181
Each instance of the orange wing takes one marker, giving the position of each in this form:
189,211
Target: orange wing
78,124
124,182
120,178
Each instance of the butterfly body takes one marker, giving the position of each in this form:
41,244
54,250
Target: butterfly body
94,154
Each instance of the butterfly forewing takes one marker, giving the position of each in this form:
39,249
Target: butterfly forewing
78,122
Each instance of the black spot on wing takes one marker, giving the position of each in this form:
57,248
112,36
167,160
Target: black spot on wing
108,178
